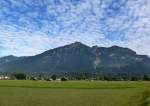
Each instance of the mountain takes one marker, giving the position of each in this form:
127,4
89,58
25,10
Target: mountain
78,57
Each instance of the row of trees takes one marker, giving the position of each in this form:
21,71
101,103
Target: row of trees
81,76
22,76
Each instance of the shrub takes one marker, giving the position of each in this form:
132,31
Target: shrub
54,77
20,76
63,79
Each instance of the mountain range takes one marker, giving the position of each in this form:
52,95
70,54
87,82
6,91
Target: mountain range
77,57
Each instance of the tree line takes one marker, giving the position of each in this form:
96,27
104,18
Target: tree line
79,76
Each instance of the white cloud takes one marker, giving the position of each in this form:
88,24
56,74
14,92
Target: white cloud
22,42
44,25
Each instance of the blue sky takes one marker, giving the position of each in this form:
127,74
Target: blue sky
29,27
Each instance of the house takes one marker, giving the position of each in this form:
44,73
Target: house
4,77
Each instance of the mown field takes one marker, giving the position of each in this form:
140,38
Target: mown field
73,93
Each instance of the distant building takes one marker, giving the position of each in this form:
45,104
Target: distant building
58,79
4,77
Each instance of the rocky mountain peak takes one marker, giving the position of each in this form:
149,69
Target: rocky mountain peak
78,57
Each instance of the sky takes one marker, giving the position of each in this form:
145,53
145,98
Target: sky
30,27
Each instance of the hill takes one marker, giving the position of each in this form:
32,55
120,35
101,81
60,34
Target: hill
77,57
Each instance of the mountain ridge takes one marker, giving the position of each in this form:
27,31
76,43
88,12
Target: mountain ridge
78,57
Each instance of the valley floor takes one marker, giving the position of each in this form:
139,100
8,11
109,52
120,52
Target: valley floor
73,93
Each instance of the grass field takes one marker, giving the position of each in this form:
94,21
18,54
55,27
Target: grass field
73,93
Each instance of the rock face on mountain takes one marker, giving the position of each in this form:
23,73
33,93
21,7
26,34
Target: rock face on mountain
78,57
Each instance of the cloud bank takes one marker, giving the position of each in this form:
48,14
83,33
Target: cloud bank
29,27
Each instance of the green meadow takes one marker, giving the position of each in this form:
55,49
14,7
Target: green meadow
73,93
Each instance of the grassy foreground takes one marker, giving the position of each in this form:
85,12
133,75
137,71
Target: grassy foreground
73,93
